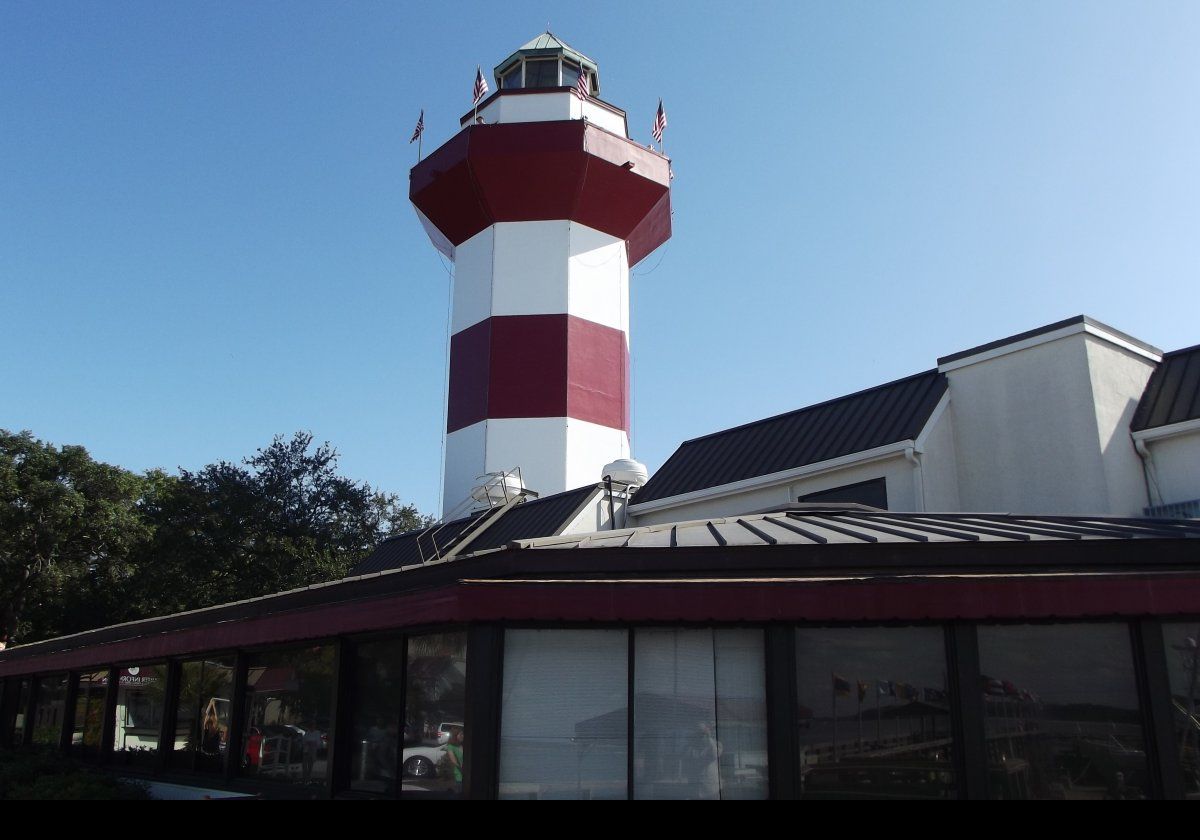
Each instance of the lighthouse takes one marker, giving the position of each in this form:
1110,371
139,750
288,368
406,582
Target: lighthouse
544,205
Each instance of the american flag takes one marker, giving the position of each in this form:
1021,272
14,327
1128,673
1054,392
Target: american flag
581,87
481,87
660,122
420,129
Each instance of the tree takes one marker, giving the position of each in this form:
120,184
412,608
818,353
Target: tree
281,519
67,523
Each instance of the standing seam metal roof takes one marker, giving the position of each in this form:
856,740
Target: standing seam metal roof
881,415
1173,393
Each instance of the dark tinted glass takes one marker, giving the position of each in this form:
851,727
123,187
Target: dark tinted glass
289,696
512,79
20,710
1183,666
873,713
50,709
541,73
378,698
202,717
1063,718
139,713
434,736
88,721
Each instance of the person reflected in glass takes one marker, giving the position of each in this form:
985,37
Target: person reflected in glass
703,754
454,752
210,730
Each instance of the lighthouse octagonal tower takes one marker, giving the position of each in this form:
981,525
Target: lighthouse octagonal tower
544,204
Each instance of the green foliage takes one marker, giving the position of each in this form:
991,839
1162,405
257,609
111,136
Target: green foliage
45,774
84,544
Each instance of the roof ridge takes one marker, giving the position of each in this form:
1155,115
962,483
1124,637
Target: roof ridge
814,406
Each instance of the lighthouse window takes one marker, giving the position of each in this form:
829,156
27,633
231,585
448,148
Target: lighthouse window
570,74
541,73
512,79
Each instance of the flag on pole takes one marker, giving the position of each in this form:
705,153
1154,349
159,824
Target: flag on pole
420,129
581,87
481,87
841,686
660,122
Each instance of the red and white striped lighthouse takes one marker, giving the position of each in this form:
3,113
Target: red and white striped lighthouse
544,204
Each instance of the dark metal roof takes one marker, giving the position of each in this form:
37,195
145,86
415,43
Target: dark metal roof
1173,393
881,415
840,527
542,517
413,547
1049,328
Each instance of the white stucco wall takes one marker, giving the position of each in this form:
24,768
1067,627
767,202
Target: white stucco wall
541,268
939,465
1028,434
547,107
1118,378
1176,467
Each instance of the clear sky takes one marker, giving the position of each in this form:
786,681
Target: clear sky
205,237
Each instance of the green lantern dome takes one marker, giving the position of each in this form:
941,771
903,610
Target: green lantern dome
546,62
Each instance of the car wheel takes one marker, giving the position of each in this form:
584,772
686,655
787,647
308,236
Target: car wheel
419,766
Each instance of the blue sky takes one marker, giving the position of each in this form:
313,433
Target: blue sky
205,238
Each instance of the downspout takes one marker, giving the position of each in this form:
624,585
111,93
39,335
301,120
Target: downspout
1149,473
914,457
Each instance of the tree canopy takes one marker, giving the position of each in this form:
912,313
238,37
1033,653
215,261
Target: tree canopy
84,544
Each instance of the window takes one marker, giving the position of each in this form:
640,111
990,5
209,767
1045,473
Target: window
1183,668
564,719
88,723
202,716
49,710
139,712
873,493
17,692
541,72
873,713
511,80
289,697
436,700
570,74
700,714
1063,717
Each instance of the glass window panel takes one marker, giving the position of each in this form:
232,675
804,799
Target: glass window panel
88,722
289,696
564,720
20,709
570,74
512,79
49,710
138,716
1063,718
378,697
202,716
1183,667
541,72
700,714
434,736
873,713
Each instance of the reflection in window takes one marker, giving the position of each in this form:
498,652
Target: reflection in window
873,713
564,720
699,715
88,722
1183,666
139,713
541,72
378,693
49,710
1063,718
17,733
434,736
289,696
202,718
512,79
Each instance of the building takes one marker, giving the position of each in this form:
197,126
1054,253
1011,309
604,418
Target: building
807,606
